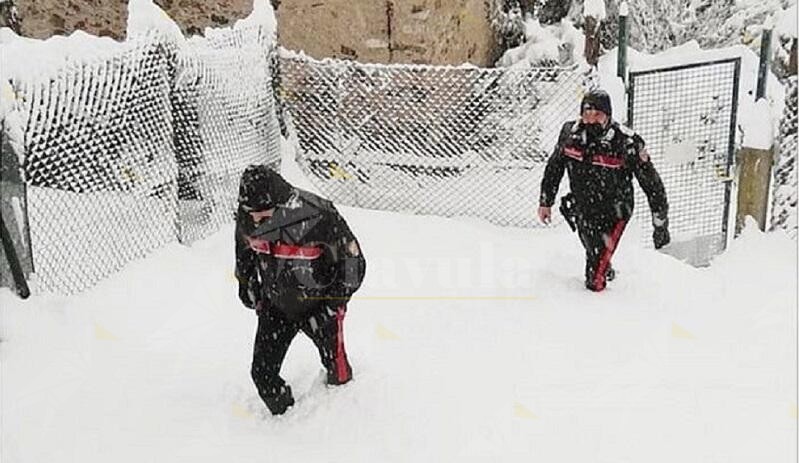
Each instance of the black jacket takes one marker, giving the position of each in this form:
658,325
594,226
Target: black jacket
302,258
600,172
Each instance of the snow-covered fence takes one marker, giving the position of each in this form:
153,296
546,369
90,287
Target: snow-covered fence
98,161
224,119
428,139
687,116
133,145
784,210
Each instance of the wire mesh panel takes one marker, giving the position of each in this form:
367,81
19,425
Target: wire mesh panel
784,210
140,145
99,163
224,120
428,139
686,115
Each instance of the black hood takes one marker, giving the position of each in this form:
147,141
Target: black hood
262,188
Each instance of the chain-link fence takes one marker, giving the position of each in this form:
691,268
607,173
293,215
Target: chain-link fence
139,146
437,140
784,210
686,115
224,112
98,163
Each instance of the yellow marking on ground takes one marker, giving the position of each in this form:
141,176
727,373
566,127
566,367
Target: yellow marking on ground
241,412
679,332
103,334
385,334
520,411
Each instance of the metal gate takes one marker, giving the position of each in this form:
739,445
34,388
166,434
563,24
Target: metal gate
687,117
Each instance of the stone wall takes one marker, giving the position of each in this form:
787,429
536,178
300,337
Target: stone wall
107,18
390,31
378,31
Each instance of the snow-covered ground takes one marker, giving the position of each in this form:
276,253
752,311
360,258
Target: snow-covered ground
469,342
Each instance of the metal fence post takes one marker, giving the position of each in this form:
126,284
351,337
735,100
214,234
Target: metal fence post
731,150
762,71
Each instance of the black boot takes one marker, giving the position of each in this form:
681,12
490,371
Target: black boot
589,284
279,403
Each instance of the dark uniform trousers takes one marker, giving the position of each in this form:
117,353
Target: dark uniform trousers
600,235
275,332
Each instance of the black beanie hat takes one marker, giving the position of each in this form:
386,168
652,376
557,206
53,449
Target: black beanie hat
597,99
262,188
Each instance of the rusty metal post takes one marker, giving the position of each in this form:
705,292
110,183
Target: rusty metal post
591,40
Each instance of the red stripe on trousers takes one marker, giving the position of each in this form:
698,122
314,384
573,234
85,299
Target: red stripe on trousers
604,259
341,356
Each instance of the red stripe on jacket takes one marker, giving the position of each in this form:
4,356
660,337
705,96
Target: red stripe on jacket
573,153
284,251
290,251
604,160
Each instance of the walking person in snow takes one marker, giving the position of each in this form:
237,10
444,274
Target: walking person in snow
601,156
298,264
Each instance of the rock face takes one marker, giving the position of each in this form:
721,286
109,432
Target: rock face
378,31
107,18
390,31
354,29
442,32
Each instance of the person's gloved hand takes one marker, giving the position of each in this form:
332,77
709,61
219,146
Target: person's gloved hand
661,237
248,293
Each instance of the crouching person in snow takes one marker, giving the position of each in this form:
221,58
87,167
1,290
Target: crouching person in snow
600,156
298,264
